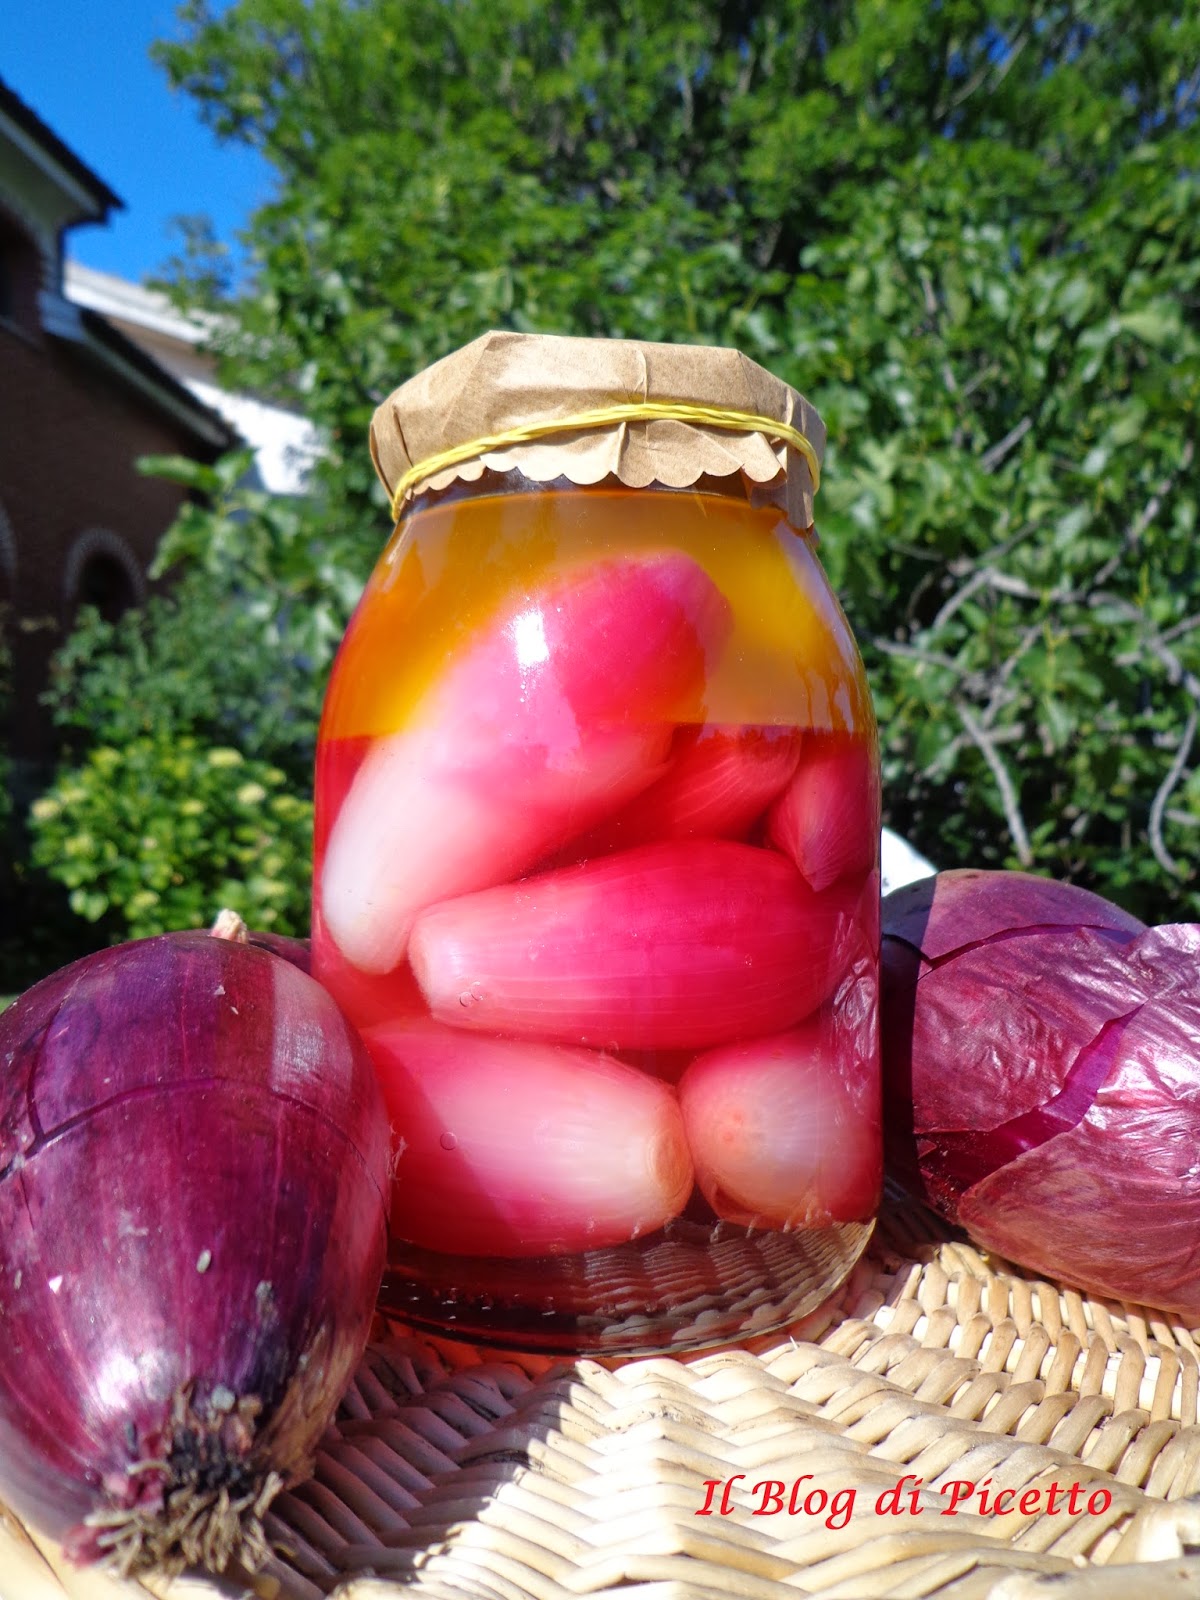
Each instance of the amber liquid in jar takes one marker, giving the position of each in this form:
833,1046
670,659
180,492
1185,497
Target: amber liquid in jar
596,876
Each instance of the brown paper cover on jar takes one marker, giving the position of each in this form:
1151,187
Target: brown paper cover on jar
504,381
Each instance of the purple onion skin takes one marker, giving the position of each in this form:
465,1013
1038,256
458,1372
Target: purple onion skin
193,1171
229,925
942,915
1042,1080
297,951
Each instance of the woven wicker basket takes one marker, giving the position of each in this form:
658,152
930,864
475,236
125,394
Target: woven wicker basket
460,1474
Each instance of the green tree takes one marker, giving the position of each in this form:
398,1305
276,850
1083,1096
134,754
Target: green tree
968,230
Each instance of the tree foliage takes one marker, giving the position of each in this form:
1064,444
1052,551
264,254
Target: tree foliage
969,230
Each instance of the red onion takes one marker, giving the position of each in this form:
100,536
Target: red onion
1042,1078
193,1164
229,925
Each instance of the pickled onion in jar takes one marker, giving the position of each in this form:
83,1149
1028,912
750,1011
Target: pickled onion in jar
592,667
678,945
512,1149
777,1139
827,819
560,712
366,997
718,783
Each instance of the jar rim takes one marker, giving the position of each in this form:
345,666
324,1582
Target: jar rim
731,486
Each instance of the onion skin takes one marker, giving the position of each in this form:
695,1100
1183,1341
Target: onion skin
297,951
960,1056
1042,1079
940,916
193,1171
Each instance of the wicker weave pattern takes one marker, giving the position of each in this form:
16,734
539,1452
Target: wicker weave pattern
459,1475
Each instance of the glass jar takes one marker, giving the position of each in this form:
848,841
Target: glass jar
596,876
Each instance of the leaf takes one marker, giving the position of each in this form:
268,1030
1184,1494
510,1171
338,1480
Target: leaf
180,469
1070,525
1155,324
1059,722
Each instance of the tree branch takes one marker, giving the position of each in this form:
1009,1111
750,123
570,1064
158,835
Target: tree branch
963,566
1001,69
1137,527
931,658
995,454
1001,695
1008,793
1177,629
1176,672
945,757
979,577
1161,854
980,378
959,598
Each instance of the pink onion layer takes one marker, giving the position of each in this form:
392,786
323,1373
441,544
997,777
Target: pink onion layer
827,819
514,1149
680,945
777,1137
558,714
718,783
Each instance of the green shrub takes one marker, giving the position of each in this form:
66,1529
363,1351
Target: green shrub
159,835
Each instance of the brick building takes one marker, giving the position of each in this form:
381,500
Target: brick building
80,402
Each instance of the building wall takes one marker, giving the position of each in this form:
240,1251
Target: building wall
286,445
77,521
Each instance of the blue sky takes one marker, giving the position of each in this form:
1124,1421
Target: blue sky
84,67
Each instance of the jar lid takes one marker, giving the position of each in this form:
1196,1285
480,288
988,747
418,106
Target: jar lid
587,409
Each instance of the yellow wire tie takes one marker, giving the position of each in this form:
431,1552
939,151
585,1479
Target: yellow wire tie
603,417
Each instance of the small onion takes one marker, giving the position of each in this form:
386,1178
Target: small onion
827,819
193,1165
776,1131
560,712
1042,1079
508,1148
718,782
684,944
